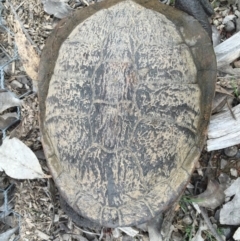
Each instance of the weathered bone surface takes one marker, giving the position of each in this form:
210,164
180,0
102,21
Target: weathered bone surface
121,115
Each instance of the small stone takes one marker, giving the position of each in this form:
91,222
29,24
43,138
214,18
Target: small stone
215,22
176,236
116,233
217,215
40,155
231,151
228,22
237,157
16,84
26,86
236,235
223,163
217,15
234,8
233,172
220,27
48,27
187,220
225,12
236,64
213,220
238,165
237,13
224,179
56,218
226,231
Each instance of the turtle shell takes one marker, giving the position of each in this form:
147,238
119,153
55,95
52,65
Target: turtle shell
125,90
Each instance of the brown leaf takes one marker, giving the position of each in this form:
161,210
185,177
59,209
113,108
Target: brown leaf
212,197
28,54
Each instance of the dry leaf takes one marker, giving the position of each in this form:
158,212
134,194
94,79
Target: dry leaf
18,161
230,212
7,120
28,55
7,100
212,197
57,7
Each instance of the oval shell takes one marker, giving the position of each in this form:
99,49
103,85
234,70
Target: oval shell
125,99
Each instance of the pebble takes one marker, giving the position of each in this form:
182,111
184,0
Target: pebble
238,165
116,233
187,220
228,22
217,215
237,13
215,22
26,87
40,155
231,151
223,163
176,236
16,84
236,64
225,12
233,172
226,231
236,235
225,180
